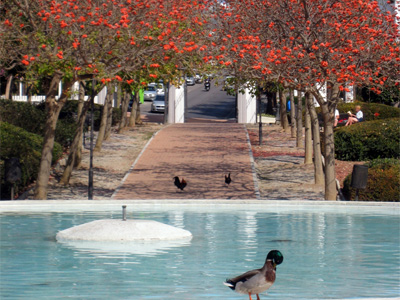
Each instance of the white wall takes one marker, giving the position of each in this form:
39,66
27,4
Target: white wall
247,107
349,96
176,104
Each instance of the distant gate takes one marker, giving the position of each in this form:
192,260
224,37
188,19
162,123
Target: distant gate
246,106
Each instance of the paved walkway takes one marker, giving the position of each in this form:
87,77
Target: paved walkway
201,153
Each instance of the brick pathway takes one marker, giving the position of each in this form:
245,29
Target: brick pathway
202,153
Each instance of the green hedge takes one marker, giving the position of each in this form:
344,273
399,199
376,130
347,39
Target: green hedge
17,142
32,118
388,95
369,110
383,182
22,114
368,140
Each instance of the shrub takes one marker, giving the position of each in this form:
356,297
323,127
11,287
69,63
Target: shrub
368,140
65,132
19,143
388,95
383,182
22,114
32,118
370,109
116,116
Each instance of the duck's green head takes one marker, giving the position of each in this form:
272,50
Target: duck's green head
276,257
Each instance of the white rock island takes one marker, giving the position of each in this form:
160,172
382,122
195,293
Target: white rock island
113,230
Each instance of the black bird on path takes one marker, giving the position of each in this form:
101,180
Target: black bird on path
228,179
180,184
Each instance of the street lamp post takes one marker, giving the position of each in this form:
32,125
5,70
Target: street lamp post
90,185
185,98
166,99
260,118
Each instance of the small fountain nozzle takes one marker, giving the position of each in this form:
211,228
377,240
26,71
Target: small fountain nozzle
123,212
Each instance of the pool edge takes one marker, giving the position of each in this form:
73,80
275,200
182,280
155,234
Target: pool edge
60,205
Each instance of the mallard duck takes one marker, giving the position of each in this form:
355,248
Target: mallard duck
259,280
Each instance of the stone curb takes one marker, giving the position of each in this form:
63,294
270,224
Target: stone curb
101,205
253,167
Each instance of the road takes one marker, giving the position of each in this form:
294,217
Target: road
212,105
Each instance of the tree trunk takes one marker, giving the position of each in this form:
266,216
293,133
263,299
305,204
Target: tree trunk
299,121
109,113
330,174
119,94
308,138
318,168
29,94
78,152
124,109
292,114
103,122
138,120
132,118
327,110
8,87
71,162
283,111
53,109
271,102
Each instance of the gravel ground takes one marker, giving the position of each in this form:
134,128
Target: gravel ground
280,169
110,166
279,164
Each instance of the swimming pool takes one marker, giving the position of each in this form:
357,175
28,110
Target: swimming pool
329,253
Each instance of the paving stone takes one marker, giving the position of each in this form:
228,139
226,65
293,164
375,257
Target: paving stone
201,153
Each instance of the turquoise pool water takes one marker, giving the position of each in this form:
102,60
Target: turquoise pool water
331,255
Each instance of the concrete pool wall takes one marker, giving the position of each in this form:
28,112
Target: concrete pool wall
204,205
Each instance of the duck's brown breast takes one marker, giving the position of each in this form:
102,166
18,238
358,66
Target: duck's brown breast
270,273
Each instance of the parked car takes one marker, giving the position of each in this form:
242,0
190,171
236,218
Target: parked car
158,86
158,104
190,80
150,93
198,78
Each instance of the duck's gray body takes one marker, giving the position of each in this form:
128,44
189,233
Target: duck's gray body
253,282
